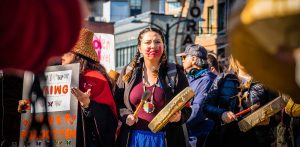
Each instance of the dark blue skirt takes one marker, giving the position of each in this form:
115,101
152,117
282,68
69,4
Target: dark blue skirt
141,138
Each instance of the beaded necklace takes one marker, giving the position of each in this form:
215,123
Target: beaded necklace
148,106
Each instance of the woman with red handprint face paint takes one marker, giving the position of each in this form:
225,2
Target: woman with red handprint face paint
148,72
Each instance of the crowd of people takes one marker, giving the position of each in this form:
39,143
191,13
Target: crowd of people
209,119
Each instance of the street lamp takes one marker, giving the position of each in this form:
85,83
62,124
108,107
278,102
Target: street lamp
166,32
139,21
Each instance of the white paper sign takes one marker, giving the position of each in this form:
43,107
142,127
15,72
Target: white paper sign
57,91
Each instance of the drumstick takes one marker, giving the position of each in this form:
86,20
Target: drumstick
253,107
145,96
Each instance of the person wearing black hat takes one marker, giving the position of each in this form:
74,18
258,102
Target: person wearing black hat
200,78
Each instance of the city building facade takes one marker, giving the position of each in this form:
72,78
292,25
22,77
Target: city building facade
127,31
213,28
211,31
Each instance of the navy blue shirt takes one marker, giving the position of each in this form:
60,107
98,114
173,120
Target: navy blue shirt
201,82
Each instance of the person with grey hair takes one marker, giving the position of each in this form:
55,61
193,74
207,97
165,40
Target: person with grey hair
200,78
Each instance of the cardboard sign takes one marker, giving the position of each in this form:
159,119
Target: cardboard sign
61,107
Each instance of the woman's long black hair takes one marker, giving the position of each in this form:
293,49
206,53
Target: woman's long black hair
86,63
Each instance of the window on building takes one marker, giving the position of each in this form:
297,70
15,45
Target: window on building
229,7
135,7
200,28
161,6
221,53
122,57
210,19
221,59
221,17
174,6
133,52
128,55
125,55
231,3
117,58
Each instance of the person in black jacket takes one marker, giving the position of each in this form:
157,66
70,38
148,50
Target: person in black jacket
11,84
231,93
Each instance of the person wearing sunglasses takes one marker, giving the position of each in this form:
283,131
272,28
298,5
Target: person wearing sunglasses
200,78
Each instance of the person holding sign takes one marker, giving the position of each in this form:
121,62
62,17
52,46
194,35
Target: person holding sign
163,80
99,114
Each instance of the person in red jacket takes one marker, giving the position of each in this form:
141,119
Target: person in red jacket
99,114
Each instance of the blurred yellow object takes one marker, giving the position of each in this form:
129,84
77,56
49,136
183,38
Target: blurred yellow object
114,75
263,35
292,109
